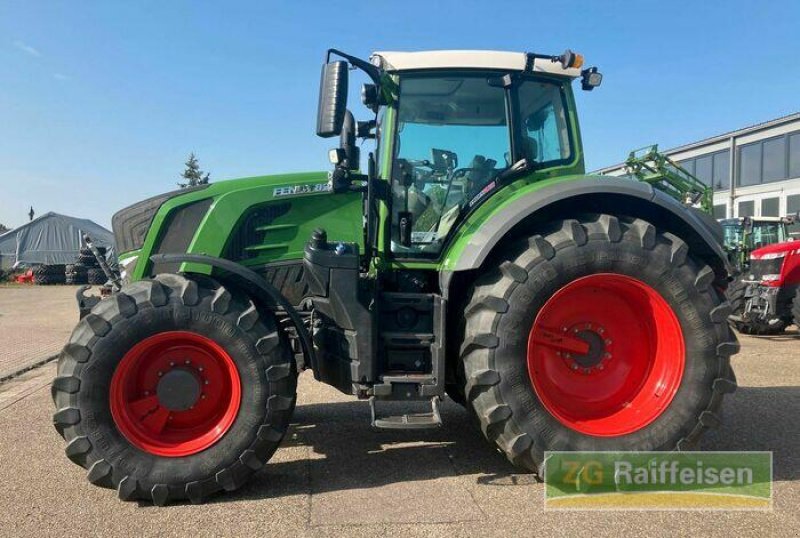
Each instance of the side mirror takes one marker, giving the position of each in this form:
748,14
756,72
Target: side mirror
332,99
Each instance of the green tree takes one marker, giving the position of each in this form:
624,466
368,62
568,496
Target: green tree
192,174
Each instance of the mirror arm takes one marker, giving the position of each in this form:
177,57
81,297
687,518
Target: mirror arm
372,71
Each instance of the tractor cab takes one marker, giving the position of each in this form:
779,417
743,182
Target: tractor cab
451,127
743,235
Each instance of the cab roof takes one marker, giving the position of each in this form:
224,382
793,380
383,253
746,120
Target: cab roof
394,61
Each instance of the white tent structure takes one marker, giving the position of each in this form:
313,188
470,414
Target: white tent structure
50,239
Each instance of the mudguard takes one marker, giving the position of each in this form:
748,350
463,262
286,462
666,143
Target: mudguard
264,290
474,251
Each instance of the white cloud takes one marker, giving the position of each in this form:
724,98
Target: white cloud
24,47
60,76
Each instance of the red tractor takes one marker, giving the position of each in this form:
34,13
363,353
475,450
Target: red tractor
767,297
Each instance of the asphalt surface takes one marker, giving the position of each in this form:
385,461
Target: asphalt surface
35,321
335,476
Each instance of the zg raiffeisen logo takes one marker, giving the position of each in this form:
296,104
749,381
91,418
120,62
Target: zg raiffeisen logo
658,480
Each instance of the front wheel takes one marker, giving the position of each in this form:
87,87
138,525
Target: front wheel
604,334
174,388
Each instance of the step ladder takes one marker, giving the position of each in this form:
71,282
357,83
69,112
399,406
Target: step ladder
408,421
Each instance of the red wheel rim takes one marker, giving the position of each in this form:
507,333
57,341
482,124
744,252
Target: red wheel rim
175,394
606,355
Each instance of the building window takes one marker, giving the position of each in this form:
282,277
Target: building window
750,164
770,207
774,159
747,209
703,169
794,155
720,211
792,204
722,169
712,169
792,207
688,165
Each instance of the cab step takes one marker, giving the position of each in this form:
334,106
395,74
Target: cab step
408,421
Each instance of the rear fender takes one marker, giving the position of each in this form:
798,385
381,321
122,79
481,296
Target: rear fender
539,203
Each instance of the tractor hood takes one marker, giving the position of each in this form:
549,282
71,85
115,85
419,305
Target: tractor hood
775,250
131,224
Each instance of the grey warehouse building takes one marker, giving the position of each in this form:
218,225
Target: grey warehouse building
754,171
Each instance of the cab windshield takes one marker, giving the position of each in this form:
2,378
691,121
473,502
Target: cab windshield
453,140
764,233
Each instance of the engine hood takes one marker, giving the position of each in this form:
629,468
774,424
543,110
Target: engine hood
132,224
777,248
296,184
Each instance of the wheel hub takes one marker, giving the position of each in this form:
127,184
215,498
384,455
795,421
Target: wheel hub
179,389
606,354
175,394
599,343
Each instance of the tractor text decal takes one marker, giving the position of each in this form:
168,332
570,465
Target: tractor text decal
290,190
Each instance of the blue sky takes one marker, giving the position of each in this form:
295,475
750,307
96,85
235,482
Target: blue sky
100,102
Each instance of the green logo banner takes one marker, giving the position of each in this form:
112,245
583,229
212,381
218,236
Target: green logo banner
658,480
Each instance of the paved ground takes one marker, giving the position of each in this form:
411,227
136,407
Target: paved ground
35,321
335,476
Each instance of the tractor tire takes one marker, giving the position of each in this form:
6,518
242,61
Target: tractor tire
558,347
76,278
796,308
174,388
49,279
96,276
49,270
75,268
735,296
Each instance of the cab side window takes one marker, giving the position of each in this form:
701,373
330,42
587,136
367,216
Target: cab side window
544,123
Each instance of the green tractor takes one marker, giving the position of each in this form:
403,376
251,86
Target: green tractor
472,256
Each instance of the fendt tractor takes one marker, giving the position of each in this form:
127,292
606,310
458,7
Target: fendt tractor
471,256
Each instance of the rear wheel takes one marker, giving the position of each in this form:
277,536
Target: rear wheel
601,335
174,389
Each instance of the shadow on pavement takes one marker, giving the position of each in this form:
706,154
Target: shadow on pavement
347,453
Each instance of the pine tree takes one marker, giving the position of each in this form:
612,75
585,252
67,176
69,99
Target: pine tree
193,175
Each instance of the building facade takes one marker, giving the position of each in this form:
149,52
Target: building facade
754,171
